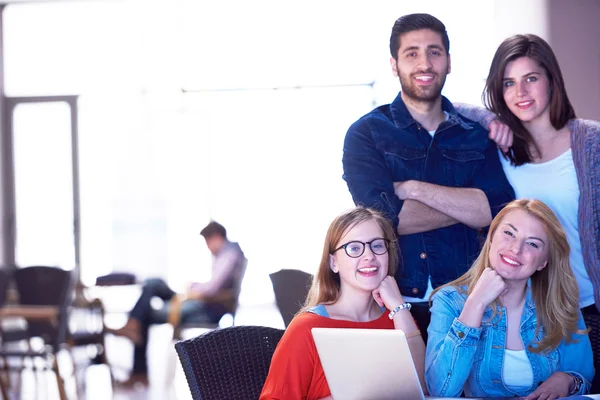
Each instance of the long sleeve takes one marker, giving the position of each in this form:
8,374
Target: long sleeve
366,173
478,114
576,357
223,268
493,182
451,347
491,178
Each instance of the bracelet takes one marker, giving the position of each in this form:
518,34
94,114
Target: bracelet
577,383
406,306
412,334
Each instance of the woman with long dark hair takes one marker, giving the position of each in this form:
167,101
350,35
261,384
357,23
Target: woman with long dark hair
554,156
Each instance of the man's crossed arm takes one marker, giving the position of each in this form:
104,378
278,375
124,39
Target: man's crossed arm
428,206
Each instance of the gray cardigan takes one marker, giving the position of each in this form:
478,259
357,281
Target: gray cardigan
585,146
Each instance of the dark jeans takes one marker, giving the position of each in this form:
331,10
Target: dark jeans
592,311
191,311
422,315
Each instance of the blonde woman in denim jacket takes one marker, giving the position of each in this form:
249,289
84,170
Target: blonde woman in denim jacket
511,325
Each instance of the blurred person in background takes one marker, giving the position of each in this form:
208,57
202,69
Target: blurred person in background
202,301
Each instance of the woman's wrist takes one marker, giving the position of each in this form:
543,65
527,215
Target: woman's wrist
472,313
398,308
576,383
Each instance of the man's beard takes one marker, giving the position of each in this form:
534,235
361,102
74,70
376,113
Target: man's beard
419,93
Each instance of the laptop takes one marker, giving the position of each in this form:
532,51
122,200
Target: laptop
367,364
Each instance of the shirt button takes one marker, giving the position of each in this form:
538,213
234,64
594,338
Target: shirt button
423,256
415,290
461,335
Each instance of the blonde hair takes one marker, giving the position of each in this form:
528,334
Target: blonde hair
325,287
554,288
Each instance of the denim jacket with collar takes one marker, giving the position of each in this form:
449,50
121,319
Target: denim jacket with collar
460,357
387,145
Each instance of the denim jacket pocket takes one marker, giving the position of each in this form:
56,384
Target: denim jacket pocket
462,164
401,159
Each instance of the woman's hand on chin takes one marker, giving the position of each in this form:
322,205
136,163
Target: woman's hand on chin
488,288
387,294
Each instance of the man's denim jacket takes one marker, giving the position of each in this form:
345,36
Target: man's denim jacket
387,145
460,357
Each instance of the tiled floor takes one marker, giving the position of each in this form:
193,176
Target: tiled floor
167,380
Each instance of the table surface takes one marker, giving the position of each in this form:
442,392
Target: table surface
581,397
30,312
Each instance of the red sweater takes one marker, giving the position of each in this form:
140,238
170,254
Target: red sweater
296,371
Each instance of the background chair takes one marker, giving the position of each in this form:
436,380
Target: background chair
43,286
229,298
291,288
230,363
593,322
86,328
4,283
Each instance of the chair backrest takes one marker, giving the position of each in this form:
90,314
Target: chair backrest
238,286
291,288
46,286
229,363
4,283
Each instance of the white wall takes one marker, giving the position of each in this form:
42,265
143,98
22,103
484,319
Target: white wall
134,72
574,30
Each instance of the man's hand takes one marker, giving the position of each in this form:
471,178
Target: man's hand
555,387
403,189
501,134
195,291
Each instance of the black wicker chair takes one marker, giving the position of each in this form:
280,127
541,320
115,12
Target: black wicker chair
593,322
230,363
42,286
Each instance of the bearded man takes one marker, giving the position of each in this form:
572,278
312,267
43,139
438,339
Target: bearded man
434,173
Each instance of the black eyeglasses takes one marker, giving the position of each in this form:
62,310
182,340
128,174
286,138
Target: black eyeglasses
356,248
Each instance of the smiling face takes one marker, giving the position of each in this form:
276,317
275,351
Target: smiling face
422,64
519,246
527,90
365,272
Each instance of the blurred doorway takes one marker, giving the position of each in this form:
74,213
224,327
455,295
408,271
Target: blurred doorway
44,192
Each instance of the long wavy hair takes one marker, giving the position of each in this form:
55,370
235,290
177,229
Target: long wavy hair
554,288
325,287
561,110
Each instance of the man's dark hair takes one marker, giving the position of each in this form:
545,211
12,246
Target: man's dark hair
415,22
213,229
